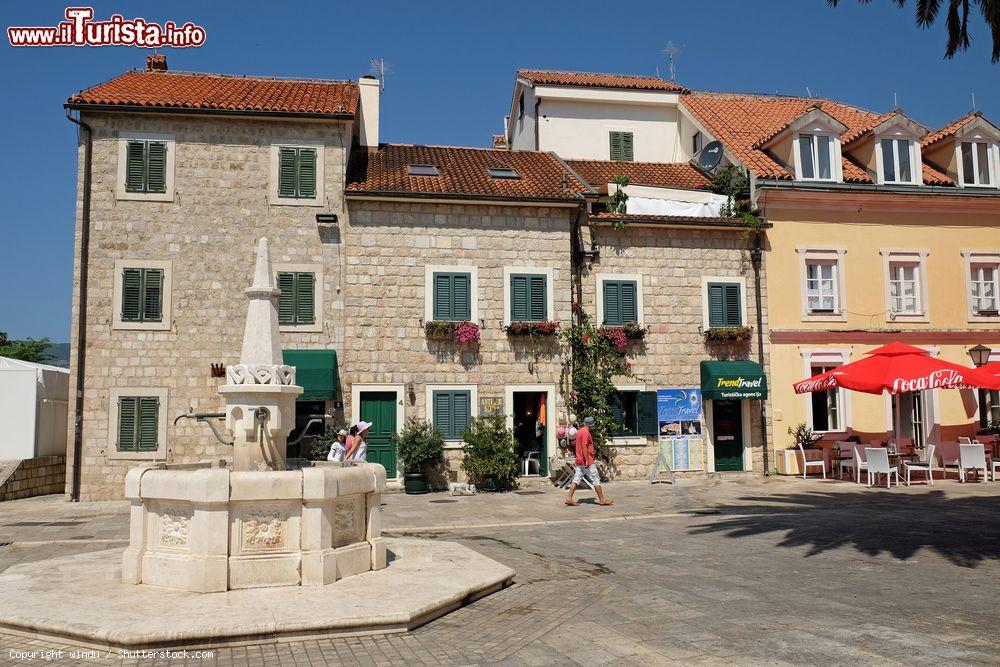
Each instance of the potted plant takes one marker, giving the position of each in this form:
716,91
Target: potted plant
532,329
419,447
803,435
727,334
490,458
459,332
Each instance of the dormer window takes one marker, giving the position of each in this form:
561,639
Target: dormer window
816,154
977,165
421,170
897,161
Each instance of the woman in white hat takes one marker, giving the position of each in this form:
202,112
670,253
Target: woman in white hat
358,448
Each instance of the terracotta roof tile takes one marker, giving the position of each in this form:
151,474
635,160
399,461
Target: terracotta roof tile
743,122
462,171
949,129
597,80
660,174
933,176
182,90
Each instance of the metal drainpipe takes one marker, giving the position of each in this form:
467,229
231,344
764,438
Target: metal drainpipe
756,256
81,322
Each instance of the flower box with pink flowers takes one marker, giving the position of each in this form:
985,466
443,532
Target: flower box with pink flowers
466,333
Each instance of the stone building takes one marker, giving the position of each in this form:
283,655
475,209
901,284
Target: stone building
402,270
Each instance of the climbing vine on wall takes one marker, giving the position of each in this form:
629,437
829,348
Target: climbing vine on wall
587,375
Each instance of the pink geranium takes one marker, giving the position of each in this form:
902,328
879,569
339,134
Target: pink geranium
467,332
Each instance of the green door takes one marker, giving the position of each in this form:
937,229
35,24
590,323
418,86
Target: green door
727,421
379,408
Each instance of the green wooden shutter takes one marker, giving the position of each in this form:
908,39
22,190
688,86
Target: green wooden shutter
442,296
286,301
734,313
461,297
305,295
629,303
307,173
716,305
617,413
135,167
152,297
148,421
626,146
616,145
459,413
442,413
519,311
286,172
126,423
648,419
612,303
132,295
156,166
537,303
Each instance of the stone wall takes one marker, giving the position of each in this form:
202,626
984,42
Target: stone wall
672,262
385,293
35,477
208,232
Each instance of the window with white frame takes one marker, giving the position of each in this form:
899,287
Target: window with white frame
977,165
989,408
904,287
897,161
822,294
816,157
826,405
985,288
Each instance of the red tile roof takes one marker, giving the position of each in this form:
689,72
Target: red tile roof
596,80
950,129
462,172
743,123
660,174
217,92
687,220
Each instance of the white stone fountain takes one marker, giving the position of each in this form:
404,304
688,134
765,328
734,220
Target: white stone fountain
257,524
251,553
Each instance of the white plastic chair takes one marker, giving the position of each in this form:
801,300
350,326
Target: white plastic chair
532,456
821,464
878,464
962,440
927,465
855,463
971,457
846,458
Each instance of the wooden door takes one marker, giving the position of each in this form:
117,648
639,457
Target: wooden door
379,408
727,420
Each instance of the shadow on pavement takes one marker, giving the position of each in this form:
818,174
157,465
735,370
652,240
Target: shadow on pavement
962,530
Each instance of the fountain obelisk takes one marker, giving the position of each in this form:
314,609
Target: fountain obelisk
260,391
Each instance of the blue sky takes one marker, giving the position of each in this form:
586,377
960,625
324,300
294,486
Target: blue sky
451,71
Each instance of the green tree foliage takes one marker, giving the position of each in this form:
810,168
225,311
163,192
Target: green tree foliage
25,350
490,457
957,20
420,445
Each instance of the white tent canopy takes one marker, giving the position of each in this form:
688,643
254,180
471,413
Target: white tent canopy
33,409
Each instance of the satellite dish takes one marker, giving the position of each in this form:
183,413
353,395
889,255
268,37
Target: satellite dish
710,156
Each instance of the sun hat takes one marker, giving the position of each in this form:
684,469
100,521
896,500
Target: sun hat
588,421
342,432
362,426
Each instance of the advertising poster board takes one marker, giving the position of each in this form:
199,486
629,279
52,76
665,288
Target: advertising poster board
681,430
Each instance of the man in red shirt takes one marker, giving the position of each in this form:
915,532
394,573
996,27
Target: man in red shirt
585,465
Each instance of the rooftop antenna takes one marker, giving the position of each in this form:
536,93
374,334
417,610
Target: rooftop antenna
974,107
379,70
672,52
809,92
895,102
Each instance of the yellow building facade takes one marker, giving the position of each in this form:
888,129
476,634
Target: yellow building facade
840,265
881,230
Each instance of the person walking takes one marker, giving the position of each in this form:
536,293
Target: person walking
359,448
586,466
339,447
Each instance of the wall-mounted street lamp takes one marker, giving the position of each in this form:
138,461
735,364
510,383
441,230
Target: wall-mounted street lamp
980,355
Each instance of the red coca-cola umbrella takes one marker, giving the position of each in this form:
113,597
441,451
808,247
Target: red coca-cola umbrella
898,368
991,368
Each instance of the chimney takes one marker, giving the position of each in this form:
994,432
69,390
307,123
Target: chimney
156,63
500,142
367,119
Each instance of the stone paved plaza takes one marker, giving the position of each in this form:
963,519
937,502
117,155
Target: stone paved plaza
759,572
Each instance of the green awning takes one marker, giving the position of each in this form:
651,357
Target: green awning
733,379
315,372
